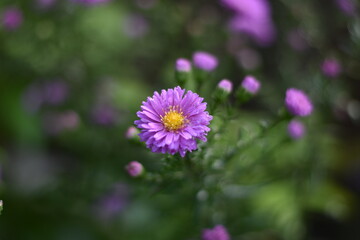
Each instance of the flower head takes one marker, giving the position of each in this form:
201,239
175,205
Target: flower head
183,65
251,84
298,103
205,61
219,232
172,121
331,67
134,168
296,129
12,18
225,85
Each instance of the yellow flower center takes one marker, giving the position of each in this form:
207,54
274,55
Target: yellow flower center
173,119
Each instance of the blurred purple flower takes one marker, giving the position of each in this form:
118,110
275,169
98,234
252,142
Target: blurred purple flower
54,123
347,6
183,65
255,9
90,2
331,67
296,129
219,232
55,92
263,32
135,26
104,114
45,4
51,93
251,84
12,18
252,18
225,85
205,61
113,202
298,103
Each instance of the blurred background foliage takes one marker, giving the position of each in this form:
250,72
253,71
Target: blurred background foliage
73,75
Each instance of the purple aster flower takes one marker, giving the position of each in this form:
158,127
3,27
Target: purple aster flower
205,61
12,18
262,31
183,65
251,84
331,67
135,26
225,85
296,129
298,103
219,232
134,168
172,121
347,6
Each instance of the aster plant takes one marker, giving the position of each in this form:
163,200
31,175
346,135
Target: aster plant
197,141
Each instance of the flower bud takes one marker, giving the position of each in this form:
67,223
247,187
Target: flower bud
251,84
296,129
182,71
298,103
249,87
134,169
225,85
132,133
222,91
205,61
